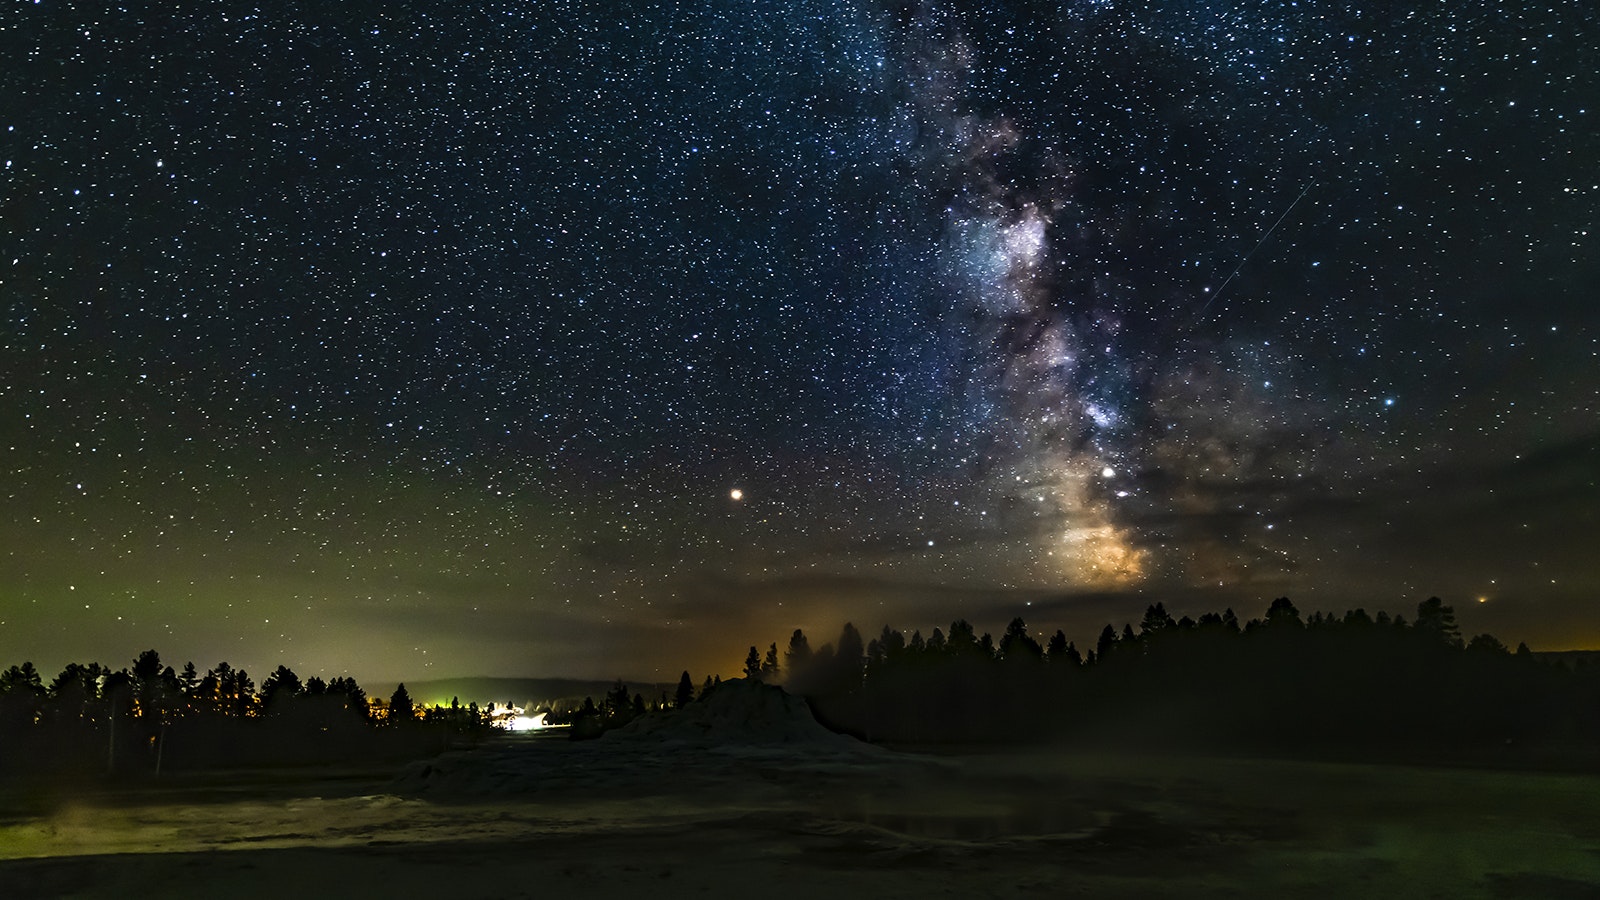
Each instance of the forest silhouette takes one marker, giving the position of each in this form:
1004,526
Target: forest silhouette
1329,686
148,718
1356,686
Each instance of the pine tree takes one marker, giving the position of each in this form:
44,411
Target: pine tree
962,640
799,652
1437,622
21,678
189,680
401,708
1073,657
1156,620
1017,646
617,701
1283,613
1106,643
244,695
279,688
917,646
1057,646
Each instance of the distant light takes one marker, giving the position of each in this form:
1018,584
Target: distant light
526,723
1108,472
736,494
1483,599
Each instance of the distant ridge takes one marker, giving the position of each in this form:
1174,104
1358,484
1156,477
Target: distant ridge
1572,659
523,692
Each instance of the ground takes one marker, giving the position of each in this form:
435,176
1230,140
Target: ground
626,819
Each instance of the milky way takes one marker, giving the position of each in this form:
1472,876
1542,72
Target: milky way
540,338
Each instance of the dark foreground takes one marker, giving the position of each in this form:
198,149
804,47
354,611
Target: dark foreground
611,819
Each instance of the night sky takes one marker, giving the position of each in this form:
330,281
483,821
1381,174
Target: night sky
580,338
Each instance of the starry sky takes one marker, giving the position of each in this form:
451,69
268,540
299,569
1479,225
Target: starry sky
580,338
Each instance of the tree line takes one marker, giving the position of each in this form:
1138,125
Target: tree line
1282,683
1323,684
149,717
590,720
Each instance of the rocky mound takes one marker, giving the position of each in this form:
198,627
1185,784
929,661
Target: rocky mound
739,738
